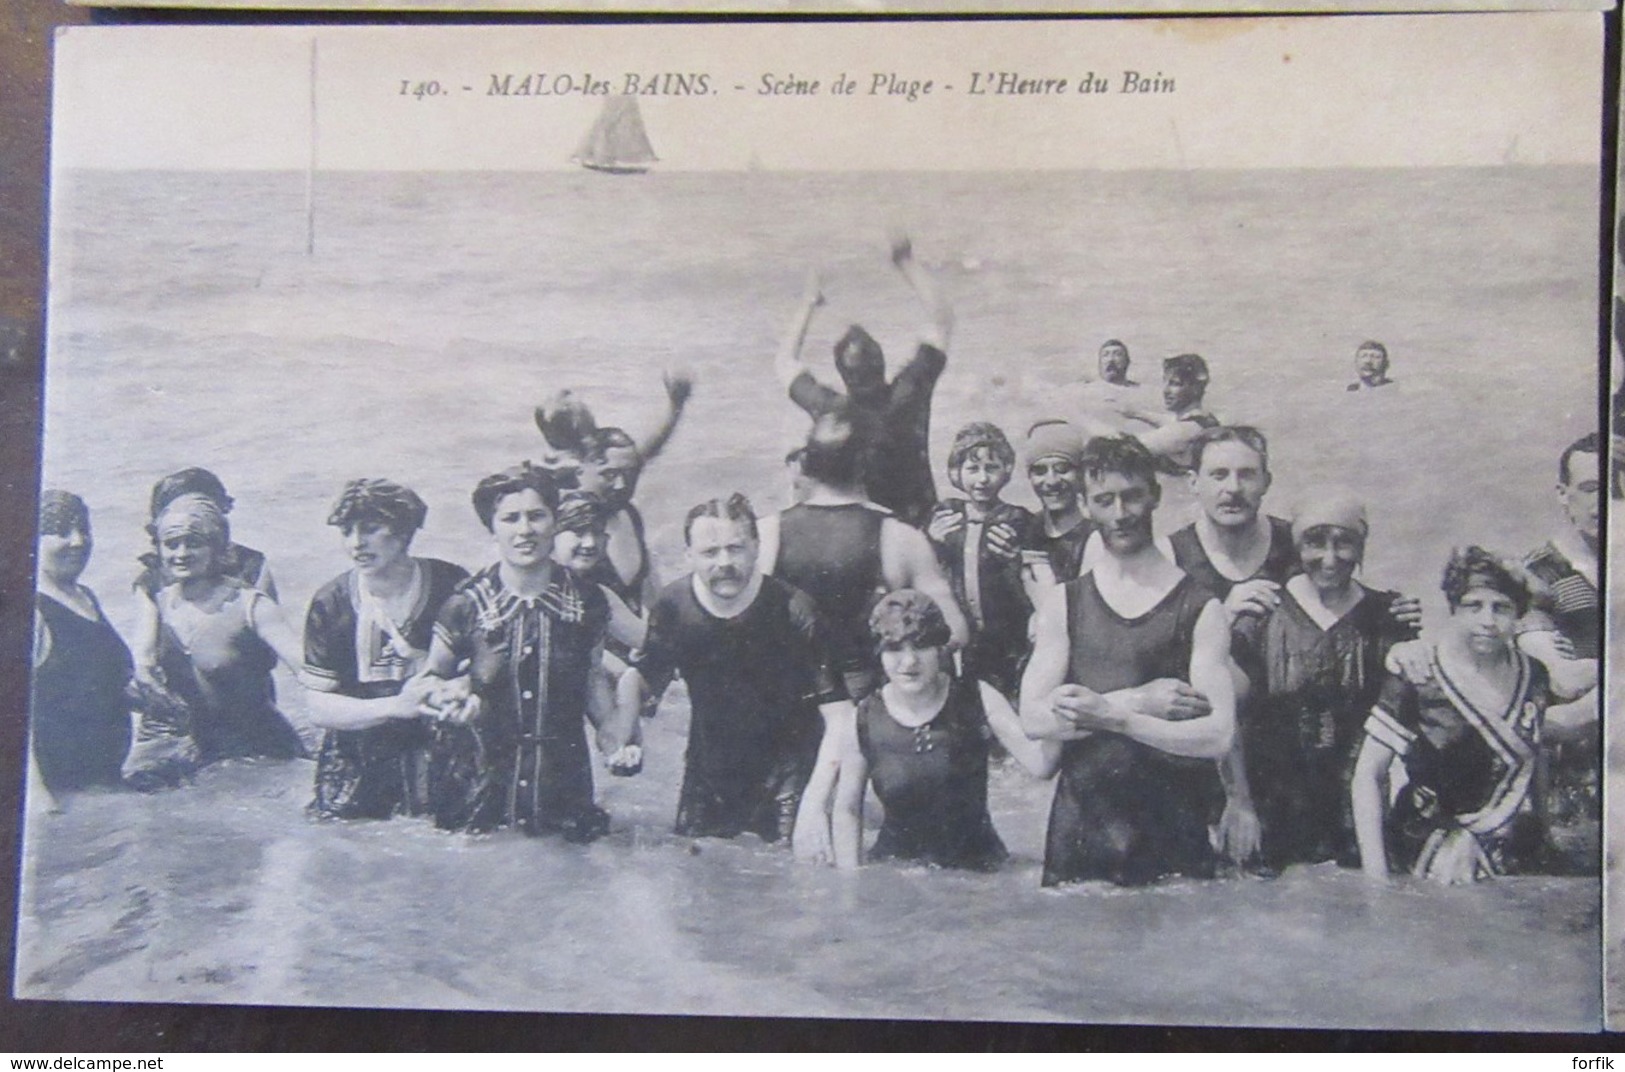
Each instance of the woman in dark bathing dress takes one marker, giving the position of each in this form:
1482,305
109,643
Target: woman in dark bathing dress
80,722
924,738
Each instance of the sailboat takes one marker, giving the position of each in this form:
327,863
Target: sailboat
617,142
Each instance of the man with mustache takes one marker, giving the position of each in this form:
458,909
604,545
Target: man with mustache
1243,556
893,418
1114,362
1129,669
750,650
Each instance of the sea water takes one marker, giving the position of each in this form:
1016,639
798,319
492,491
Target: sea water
190,326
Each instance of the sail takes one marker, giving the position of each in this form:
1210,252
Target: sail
617,140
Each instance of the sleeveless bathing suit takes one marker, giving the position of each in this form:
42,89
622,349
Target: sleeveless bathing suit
1124,811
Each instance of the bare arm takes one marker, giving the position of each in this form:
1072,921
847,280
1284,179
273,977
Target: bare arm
270,624
812,837
267,583
1571,678
939,314
679,385
1208,736
1172,438
846,819
1046,672
332,711
788,364
1368,791
144,641
1040,758
907,560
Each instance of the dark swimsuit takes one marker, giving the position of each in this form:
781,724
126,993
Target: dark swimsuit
832,553
932,781
80,718
1124,811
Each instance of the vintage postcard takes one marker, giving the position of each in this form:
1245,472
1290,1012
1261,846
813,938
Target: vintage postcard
1016,521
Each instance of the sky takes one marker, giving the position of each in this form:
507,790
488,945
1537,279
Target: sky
1344,91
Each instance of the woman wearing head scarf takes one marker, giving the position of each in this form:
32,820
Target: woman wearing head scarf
367,635
240,563
1469,740
219,638
80,719
1321,652
924,738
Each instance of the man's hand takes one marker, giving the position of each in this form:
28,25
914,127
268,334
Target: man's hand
944,523
1084,710
1238,837
679,385
1258,597
1407,612
1002,541
1168,699
453,700
1411,660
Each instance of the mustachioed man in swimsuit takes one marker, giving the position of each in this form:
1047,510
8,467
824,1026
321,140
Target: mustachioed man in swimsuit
763,692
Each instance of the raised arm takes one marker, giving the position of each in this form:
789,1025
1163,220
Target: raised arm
788,364
939,323
679,385
907,560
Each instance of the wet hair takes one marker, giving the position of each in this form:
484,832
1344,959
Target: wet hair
1590,443
596,445
381,502
1473,567
1119,454
1245,434
734,508
910,617
192,481
579,511
1185,368
834,452
62,513
979,435
859,359
1373,344
522,477
1109,343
